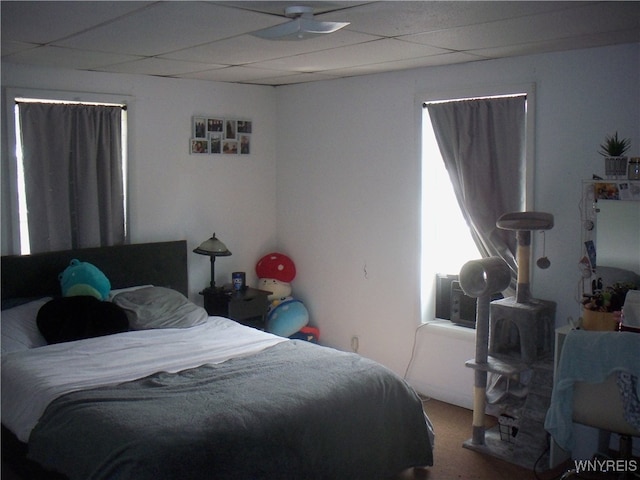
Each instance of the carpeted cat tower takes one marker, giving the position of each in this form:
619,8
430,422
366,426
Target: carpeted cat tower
514,336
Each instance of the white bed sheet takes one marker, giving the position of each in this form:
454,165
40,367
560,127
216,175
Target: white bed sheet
31,379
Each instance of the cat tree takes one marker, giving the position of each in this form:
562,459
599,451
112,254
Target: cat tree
512,334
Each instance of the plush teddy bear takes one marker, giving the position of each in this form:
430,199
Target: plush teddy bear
83,278
286,315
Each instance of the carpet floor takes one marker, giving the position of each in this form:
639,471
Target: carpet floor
452,427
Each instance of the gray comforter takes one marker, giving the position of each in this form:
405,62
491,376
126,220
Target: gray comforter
293,411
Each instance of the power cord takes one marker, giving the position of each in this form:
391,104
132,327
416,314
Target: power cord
540,457
413,350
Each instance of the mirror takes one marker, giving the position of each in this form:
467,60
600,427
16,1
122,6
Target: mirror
618,234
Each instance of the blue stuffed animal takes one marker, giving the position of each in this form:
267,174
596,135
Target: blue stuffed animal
83,278
287,317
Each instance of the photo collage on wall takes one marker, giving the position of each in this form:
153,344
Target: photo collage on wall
617,190
219,135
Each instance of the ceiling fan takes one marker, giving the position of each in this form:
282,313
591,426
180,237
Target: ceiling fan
302,26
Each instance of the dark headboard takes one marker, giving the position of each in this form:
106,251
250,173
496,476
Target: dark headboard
163,264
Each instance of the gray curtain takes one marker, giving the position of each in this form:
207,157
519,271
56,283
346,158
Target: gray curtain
72,157
482,142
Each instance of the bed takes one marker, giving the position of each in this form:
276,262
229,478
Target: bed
200,399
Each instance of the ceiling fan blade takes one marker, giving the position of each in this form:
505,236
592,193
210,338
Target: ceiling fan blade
280,32
299,29
309,25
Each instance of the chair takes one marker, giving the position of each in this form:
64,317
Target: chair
599,405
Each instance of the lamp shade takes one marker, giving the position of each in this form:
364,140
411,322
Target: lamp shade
213,248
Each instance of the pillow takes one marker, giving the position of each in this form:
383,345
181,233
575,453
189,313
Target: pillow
19,328
8,303
159,307
117,291
66,319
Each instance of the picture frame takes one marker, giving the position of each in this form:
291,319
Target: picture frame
220,135
244,126
245,145
199,128
215,142
230,129
230,147
199,146
215,124
606,191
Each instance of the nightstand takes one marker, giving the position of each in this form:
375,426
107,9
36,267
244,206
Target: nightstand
248,306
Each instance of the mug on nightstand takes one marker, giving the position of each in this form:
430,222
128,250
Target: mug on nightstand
239,281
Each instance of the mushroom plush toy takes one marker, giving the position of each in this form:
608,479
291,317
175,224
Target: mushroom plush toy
286,315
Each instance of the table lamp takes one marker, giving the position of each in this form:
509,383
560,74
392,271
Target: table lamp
213,248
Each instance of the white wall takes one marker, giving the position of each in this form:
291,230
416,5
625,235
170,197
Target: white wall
349,184
174,195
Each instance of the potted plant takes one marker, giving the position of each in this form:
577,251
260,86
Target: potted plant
601,310
613,150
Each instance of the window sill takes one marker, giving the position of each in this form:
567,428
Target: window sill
449,329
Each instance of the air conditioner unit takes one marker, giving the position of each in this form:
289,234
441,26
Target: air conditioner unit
443,295
463,307
453,304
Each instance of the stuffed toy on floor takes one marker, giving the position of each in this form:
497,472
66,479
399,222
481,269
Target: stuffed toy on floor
286,315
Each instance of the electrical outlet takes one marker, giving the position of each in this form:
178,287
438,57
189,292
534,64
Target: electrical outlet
355,343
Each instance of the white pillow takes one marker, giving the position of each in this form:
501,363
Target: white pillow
159,307
19,328
117,291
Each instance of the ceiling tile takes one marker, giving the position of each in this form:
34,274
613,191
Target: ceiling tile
592,40
159,66
292,79
361,54
430,61
235,74
578,21
11,47
169,26
43,22
249,49
394,18
67,58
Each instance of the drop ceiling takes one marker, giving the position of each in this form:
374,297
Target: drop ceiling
213,41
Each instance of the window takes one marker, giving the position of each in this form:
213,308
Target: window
69,173
444,228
